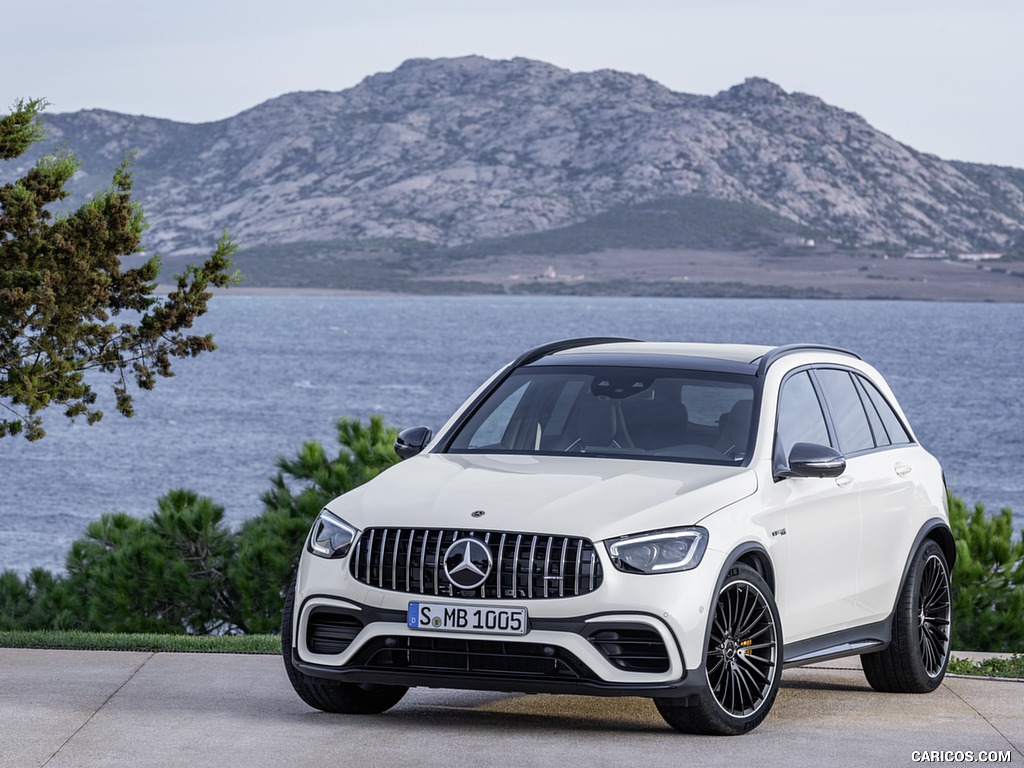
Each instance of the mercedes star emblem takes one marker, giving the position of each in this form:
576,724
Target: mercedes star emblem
467,563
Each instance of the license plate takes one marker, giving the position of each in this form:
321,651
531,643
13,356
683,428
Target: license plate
491,620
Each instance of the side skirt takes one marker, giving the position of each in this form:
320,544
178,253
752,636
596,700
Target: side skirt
848,642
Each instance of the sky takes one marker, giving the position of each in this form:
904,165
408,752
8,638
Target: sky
942,76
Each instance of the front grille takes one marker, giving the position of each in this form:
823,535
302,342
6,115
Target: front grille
331,632
635,649
525,566
491,658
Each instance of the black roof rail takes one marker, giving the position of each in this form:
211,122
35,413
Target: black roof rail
531,355
772,355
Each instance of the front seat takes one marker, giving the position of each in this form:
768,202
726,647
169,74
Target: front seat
734,428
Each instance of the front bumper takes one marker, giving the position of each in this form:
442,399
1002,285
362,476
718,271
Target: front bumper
602,655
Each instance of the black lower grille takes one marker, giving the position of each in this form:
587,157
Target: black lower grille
491,658
331,632
634,649
523,565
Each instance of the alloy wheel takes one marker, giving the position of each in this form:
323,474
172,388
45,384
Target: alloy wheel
742,657
933,611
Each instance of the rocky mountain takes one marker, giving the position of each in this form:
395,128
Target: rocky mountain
456,151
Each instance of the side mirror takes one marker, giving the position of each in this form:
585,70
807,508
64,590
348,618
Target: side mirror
811,460
411,441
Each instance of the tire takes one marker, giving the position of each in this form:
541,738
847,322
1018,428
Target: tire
742,661
915,660
344,698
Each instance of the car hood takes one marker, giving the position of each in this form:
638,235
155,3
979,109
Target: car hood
573,495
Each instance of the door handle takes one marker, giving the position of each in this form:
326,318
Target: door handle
903,469
844,481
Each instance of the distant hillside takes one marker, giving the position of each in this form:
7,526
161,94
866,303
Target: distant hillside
483,156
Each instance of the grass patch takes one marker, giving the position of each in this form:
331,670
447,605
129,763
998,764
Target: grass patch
994,667
113,641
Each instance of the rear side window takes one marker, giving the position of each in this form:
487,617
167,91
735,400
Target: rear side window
848,414
893,431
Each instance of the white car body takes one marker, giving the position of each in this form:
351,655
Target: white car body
832,552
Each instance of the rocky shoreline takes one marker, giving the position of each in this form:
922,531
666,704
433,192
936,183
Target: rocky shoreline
816,274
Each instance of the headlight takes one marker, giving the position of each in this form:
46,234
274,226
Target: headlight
330,536
659,552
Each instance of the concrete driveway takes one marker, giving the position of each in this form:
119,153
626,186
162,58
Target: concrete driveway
108,708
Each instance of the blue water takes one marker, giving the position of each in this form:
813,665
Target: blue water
289,367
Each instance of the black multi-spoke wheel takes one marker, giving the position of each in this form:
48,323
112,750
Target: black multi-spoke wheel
916,659
743,652
741,661
933,611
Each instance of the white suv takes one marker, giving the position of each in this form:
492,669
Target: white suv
622,518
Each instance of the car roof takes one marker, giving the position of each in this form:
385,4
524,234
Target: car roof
737,353
604,351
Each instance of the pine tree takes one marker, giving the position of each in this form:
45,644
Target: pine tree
988,580
166,573
62,282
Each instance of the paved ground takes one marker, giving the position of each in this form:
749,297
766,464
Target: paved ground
100,708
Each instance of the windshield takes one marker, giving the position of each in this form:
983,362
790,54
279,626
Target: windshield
624,412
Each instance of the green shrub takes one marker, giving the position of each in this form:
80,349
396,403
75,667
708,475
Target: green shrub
166,573
988,580
40,601
15,601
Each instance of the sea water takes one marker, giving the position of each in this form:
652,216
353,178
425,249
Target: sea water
288,367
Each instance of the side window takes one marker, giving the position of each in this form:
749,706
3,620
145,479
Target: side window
848,414
895,432
800,418
877,428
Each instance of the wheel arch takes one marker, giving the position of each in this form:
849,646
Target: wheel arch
940,533
936,530
753,555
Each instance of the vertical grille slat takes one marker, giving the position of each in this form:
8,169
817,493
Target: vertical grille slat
437,564
383,549
408,560
500,563
530,569
547,565
394,561
423,559
579,569
515,566
483,587
369,556
561,568
524,566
